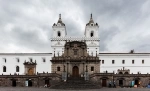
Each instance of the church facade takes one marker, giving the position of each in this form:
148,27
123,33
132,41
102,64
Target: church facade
74,57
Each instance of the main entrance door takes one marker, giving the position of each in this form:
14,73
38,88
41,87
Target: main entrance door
75,71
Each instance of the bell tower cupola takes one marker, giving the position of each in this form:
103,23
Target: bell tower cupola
91,29
59,28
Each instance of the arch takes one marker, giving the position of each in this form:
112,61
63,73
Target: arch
126,72
4,68
58,33
120,73
17,68
92,33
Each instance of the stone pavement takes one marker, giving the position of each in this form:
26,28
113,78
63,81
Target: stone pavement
46,89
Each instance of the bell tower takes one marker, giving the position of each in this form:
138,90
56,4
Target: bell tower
59,32
92,35
59,29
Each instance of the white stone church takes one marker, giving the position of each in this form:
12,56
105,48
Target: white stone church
13,63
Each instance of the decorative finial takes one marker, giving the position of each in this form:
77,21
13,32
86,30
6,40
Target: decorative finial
91,15
59,16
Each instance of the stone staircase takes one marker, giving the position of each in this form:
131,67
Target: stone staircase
75,83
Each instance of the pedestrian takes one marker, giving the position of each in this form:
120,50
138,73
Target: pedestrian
110,84
114,84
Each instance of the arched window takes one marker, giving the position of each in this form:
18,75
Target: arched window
120,73
126,73
17,68
92,34
59,34
58,68
4,68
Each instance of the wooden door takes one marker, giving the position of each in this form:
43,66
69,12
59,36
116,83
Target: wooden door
31,71
103,82
75,71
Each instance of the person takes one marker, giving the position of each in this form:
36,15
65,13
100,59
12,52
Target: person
114,84
110,84
45,86
139,84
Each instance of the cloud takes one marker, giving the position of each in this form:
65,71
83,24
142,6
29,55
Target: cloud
26,26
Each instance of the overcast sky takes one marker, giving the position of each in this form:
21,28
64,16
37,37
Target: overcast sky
26,25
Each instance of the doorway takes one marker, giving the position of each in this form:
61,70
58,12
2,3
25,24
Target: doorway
120,82
47,82
75,71
137,82
29,83
14,83
103,82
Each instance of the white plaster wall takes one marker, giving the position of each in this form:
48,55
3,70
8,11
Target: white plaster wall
11,63
134,68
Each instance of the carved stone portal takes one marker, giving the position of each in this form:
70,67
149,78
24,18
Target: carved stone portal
30,68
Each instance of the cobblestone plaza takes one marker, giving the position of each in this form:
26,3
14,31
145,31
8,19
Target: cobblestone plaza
46,89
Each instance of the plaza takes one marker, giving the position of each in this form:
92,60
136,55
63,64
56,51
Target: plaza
46,89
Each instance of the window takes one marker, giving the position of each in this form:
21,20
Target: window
126,73
17,68
59,34
92,68
123,61
58,68
132,61
75,52
17,60
92,33
30,59
102,61
5,60
4,68
113,61
142,61
44,60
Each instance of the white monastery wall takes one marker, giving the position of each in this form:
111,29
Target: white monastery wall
135,67
12,62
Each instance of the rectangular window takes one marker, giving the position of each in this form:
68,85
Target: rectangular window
113,61
44,60
142,61
4,60
17,60
102,61
92,68
132,61
123,61
58,68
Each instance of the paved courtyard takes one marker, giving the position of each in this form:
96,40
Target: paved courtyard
46,89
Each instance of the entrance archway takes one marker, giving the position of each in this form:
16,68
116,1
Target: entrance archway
14,84
75,71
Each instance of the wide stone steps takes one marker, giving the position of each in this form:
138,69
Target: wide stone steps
75,83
